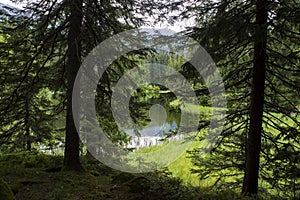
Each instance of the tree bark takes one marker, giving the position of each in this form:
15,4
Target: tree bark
250,185
71,156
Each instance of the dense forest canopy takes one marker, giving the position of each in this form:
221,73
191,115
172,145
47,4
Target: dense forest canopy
255,46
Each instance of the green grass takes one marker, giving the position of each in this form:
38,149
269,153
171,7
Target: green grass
192,108
26,174
29,177
181,167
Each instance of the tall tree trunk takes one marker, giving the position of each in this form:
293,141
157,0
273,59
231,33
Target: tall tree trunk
71,157
250,185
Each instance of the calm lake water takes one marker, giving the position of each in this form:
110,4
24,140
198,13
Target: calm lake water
163,122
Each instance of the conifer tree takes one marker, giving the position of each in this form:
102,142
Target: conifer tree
248,39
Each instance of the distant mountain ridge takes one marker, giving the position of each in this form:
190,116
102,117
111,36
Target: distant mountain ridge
10,12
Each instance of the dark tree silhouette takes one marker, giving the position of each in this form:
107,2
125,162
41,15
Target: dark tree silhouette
250,185
255,45
71,159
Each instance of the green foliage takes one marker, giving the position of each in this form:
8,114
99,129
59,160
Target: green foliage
32,103
33,54
5,191
28,108
98,181
225,29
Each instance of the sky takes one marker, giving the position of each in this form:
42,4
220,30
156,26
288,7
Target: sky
11,3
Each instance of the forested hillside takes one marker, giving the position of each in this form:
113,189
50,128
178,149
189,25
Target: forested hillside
101,100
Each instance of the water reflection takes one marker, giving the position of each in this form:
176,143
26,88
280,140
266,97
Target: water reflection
163,122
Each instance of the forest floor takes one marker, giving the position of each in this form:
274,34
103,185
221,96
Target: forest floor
35,176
